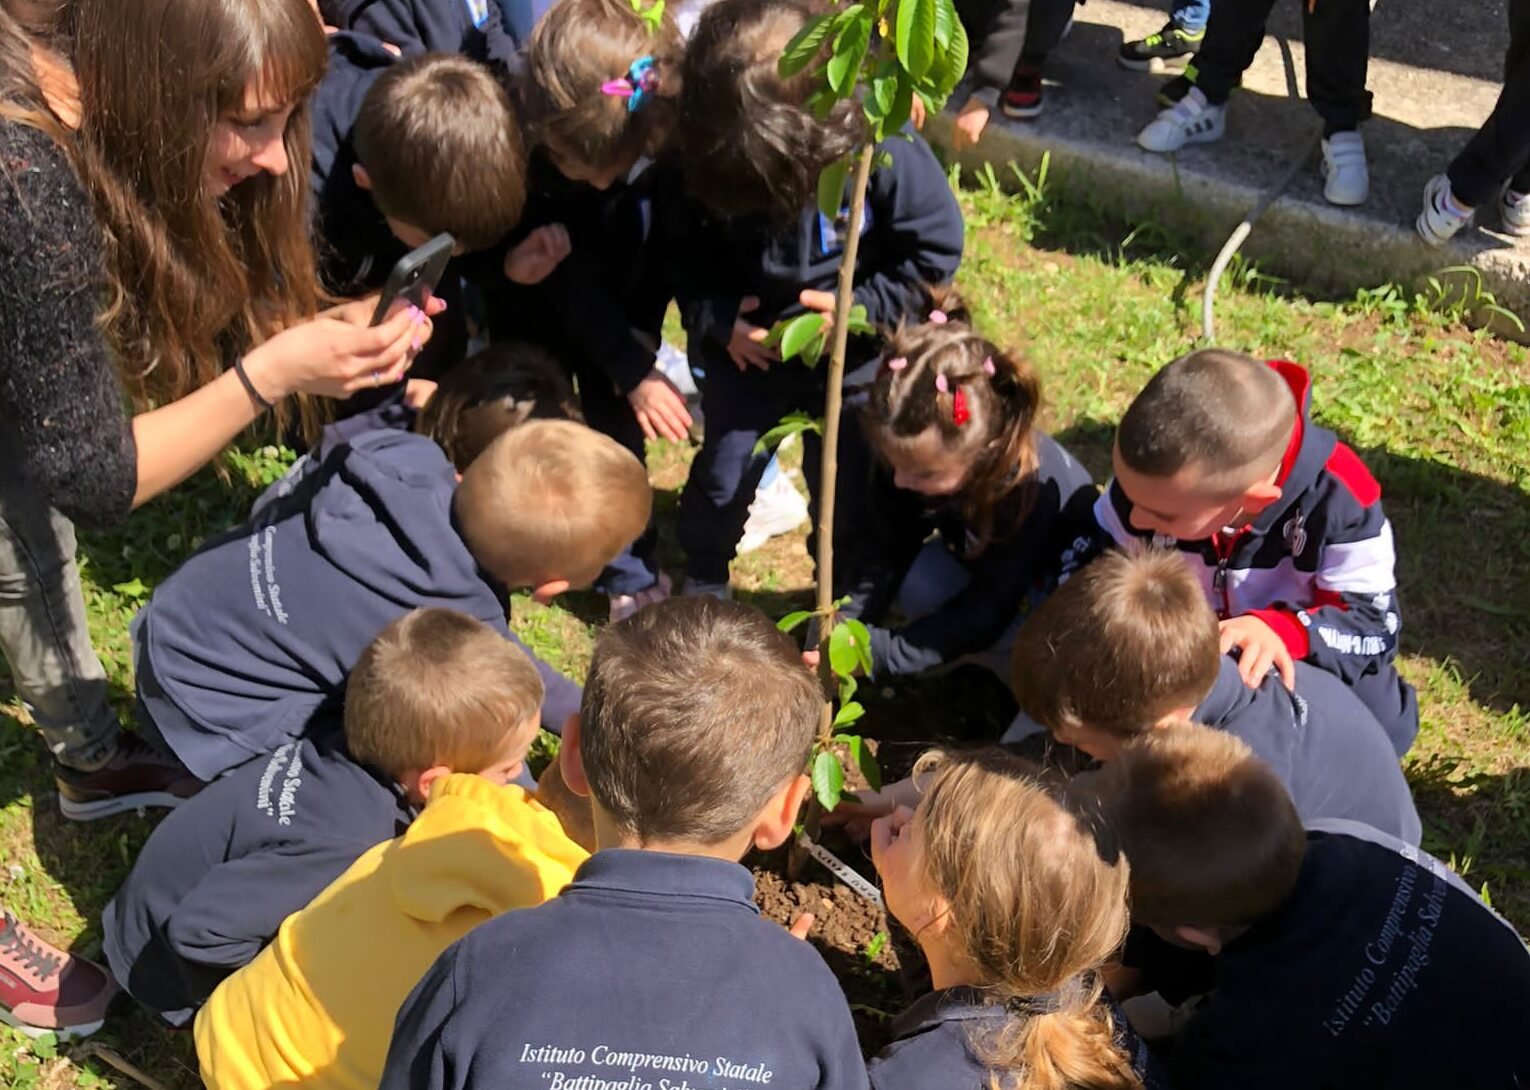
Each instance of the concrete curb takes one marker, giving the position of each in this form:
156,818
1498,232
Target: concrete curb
1315,246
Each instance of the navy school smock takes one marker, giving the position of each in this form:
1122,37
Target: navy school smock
937,1043
225,868
1322,741
651,971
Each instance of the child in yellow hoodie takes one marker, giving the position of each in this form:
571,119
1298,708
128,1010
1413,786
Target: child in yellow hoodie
315,1009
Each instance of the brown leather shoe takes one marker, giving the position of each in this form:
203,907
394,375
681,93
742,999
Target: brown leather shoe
138,775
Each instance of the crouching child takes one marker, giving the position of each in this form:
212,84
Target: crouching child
691,743
435,692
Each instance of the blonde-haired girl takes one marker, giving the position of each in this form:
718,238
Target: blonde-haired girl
1015,900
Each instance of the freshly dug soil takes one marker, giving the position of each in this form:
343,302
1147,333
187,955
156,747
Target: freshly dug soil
971,707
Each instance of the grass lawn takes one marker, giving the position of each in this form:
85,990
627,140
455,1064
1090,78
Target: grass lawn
1441,414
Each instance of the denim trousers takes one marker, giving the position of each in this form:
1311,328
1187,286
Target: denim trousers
43,634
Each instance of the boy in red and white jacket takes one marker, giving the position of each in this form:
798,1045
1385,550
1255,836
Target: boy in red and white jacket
1218,457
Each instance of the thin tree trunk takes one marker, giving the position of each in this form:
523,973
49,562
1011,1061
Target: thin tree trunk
843,298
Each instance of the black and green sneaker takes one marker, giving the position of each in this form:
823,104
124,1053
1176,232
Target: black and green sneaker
1166,51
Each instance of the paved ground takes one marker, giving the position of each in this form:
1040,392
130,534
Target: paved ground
1434,72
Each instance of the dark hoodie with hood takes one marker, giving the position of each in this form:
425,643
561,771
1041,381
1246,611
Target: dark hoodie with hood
220,873
259,629
1317,565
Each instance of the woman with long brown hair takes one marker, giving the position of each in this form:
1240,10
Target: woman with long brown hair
155,254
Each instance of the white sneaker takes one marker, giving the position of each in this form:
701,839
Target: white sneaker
778,508
1191,120
1514,212
623,606
1348,180
1441,217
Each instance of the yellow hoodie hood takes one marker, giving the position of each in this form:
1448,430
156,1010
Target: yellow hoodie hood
479,846
316,1008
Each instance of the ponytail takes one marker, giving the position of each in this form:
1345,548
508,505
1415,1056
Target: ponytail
1037,896
1070,1047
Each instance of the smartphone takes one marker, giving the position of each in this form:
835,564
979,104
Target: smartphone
416,275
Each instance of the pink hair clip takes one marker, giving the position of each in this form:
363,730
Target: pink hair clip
942,385
938,317
988,367
897,363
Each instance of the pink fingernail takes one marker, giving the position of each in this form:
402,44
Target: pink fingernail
416,343
416,315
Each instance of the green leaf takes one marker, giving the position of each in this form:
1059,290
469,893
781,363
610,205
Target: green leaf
903,105
876,945
847,714
915,35
871,771
844,655
858,321
847,687
828,780
795,619
800,332
849,52
812,352
831,187
804,45
945,19
133,588
950,62
861,644
792,424
44,1046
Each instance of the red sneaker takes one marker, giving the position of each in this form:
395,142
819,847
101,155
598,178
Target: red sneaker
45,990
1022,98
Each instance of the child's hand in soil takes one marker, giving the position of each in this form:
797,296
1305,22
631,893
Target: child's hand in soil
802,925
856,815
747,347
1259,649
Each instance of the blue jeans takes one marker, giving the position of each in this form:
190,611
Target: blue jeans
43,634
1191,15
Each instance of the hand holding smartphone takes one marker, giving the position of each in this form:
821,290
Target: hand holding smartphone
415,276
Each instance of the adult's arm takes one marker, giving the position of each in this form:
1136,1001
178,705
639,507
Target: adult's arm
60,402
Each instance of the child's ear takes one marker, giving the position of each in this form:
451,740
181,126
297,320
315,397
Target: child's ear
1257,497
779,815
546,592
571,759
417,785
361,177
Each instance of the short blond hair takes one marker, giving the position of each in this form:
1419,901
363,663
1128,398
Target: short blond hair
551,500
437,687
1213,837
1121,644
